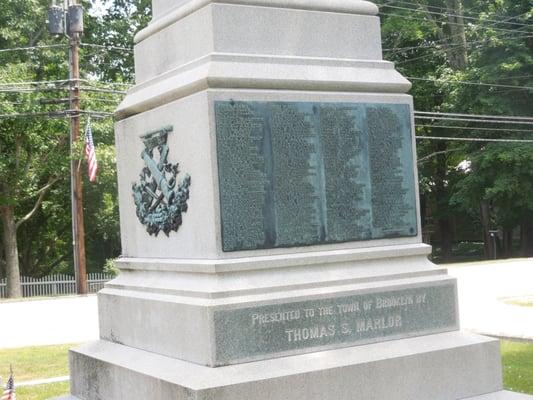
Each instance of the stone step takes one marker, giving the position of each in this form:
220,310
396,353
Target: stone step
447,366
502,395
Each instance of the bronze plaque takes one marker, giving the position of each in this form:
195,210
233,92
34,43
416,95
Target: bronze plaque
300,174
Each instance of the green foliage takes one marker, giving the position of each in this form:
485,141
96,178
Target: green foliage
111,268
502,174
35,149
421,41
116,27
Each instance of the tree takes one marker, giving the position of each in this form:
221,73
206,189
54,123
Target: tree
31,162
447,43
29,166
34,167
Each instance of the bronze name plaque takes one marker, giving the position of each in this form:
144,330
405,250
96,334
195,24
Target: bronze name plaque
300,174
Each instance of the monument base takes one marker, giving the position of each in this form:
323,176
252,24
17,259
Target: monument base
446,366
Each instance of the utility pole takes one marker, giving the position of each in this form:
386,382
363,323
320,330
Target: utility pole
69,19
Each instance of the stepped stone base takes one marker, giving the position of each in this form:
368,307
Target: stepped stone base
444,366
501,395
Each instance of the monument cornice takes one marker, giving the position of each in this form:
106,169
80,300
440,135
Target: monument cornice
338,6
218,71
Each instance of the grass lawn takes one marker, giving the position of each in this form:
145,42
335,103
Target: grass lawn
31,363
518,366
51,361
523,302
42,392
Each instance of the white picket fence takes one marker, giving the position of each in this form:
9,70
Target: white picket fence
56,285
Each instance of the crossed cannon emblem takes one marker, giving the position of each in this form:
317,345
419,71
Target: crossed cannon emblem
159,199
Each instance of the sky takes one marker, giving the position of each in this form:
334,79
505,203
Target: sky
99,7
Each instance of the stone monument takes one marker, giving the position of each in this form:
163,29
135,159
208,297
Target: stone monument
270,220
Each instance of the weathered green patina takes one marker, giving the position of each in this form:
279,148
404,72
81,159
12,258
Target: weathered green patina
159,202
307,173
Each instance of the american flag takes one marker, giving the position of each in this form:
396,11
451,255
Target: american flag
9,393
90,154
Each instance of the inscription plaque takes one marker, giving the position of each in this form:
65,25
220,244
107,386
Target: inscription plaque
248,333
297,174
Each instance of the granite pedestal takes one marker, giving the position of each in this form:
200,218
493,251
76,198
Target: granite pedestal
270,220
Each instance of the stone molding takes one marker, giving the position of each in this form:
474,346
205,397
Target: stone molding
167,16
225,71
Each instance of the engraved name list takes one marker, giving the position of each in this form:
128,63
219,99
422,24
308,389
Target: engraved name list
297,174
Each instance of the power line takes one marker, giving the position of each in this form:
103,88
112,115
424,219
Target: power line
476,128
106,47
454,139
465,12
102,100
31,90
51,89
438,43
50,114
475,115
52,46
31,48
58,114
64,82
14,86
30,83
471,83
486,121
453,15
499,35
99,90
449,23
442,42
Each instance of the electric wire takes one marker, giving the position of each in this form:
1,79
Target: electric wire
470,83
452,15
437,44
52,89
56,114
106,47
465,12
64,81
456,139
29,83
31,48
14,86
475,128
433,118
52,46
485,116
450,23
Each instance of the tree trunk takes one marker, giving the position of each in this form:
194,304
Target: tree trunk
7,213
485,222
527,236
446,237
441,193
507,242
456,50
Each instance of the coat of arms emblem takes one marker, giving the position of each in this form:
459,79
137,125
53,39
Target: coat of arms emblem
159,198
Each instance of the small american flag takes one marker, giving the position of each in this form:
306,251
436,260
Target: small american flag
9,393
90,154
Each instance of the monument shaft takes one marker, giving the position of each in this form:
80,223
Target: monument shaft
292,265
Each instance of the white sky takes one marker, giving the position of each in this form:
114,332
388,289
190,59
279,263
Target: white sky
99,7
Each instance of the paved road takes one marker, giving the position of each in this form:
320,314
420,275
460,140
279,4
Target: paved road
483,289
52,321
